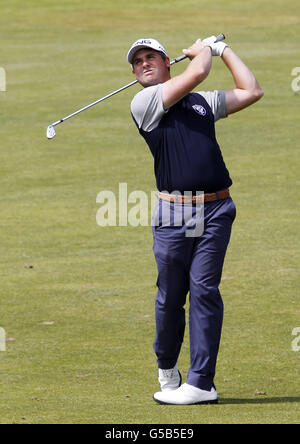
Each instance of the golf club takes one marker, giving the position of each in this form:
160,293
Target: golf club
51,133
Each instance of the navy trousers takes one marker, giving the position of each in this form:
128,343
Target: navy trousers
191,265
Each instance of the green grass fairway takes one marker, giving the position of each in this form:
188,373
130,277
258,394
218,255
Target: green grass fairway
77,300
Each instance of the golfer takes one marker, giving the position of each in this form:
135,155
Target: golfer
179,128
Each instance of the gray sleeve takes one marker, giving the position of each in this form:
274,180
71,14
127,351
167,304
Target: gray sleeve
147,107
217,102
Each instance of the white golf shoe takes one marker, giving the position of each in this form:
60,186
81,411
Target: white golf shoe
169,379
185,395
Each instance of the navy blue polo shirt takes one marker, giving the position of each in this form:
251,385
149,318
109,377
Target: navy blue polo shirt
182,140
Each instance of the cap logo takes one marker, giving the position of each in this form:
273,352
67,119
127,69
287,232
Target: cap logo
143,42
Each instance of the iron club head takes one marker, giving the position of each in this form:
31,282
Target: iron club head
51,132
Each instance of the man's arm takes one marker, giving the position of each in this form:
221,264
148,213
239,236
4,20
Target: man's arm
178,87
247,89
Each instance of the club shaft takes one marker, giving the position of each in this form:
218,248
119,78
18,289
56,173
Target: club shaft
95,103
178,59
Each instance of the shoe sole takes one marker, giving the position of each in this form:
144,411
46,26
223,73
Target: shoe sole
212,401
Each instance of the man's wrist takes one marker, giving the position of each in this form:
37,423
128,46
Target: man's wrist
225,50
208,47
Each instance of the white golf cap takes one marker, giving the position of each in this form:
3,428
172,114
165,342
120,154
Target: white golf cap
145,43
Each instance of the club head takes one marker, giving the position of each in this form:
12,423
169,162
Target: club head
51,132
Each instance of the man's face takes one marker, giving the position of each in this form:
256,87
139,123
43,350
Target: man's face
149,67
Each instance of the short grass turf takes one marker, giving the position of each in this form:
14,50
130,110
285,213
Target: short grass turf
77,300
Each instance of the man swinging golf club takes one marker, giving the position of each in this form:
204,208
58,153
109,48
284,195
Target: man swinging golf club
179,128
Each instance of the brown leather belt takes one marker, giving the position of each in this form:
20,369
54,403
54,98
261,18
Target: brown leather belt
208,197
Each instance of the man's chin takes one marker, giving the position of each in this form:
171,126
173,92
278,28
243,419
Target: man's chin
148,82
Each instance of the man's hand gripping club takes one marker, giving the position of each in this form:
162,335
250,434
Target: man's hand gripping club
216,47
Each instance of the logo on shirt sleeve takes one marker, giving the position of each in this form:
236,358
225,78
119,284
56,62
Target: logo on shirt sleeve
200,110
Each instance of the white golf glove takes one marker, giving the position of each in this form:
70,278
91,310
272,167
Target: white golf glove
217,48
